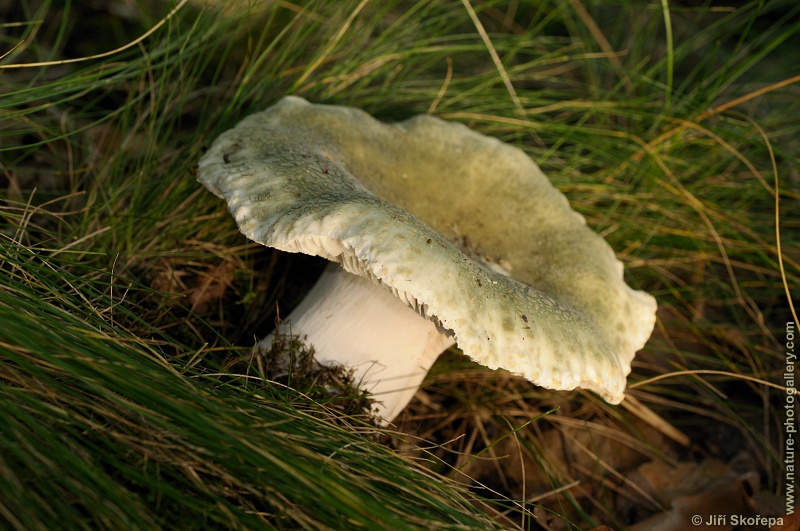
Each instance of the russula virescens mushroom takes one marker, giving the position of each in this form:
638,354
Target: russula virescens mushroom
442,235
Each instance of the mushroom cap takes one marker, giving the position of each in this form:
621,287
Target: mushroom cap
463,228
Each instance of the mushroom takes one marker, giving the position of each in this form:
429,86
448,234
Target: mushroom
441,236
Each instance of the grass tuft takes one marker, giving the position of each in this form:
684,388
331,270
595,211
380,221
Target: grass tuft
129,302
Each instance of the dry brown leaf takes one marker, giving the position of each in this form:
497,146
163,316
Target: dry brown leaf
701,496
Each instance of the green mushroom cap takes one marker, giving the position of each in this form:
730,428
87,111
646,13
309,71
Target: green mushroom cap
463,228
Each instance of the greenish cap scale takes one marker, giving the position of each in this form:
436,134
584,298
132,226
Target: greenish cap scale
463,228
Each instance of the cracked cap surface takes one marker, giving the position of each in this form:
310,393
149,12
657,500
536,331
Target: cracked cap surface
463,228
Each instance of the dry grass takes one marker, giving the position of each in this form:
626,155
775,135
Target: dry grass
129,300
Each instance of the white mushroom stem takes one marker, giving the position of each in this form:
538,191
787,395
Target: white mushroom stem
352,322
378,198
